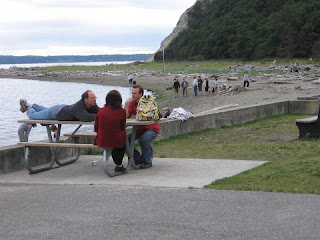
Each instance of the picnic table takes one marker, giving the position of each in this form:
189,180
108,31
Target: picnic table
308,125
57,144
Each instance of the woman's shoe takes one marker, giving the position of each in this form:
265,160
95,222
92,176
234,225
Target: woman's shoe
120,169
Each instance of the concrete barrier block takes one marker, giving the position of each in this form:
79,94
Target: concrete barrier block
304,107
11,158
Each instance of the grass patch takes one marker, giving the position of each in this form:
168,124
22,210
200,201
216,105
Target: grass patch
293,166
210,67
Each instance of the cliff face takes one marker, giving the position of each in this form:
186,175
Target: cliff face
181,25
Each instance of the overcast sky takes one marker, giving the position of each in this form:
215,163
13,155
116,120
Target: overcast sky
85,27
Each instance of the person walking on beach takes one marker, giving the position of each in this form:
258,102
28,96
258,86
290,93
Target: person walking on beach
84,110
195,86
130,80
176,86
200,81
184,86
206,88
211,85
216,84
245,79
110,126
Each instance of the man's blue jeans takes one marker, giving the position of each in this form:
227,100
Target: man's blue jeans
144,141
38,112
195,89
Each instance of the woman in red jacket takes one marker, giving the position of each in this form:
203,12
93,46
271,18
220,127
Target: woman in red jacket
110,126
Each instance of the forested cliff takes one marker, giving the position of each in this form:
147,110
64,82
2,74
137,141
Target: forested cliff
248,29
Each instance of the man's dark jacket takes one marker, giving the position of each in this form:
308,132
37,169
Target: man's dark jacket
78,112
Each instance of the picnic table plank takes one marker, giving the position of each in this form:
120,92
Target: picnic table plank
307,120
129,122
48,144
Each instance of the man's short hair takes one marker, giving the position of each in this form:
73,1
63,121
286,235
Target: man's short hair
140,88
85,94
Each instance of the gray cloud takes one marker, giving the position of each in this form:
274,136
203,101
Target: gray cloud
150,4
60,33
47,27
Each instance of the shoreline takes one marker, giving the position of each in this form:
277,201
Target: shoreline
263,88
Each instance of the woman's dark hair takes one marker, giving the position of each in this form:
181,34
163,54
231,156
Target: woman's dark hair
113,99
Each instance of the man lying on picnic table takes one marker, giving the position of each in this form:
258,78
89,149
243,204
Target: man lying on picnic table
85,110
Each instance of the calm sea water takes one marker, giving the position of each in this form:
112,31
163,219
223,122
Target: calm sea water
27,65
46,94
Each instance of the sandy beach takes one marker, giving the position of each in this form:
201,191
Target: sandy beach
263,88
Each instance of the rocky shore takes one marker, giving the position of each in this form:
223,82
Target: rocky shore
294,81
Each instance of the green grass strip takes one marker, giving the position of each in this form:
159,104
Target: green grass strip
294,165
209,67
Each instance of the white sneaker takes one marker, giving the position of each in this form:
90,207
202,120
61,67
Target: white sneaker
23,106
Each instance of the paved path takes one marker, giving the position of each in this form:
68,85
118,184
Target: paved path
49,206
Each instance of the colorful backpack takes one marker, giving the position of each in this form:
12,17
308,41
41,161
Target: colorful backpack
147,109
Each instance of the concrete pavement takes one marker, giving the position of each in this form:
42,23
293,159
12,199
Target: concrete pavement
165,172
80,202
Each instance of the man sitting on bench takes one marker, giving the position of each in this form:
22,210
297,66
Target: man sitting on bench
85,110
145,133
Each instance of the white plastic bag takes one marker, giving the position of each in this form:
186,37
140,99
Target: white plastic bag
180,113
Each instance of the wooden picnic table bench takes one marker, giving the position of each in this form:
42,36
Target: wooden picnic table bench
308,125
57,144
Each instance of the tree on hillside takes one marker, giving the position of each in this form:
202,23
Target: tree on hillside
248,29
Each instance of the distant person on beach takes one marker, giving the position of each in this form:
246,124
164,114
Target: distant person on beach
200,82
206,88
24,131
246,79
195,86
130,79
84,110
176,86
224,86
211,85
110,126
216,84
184,86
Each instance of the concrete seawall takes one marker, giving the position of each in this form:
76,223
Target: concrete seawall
11,157
230,117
